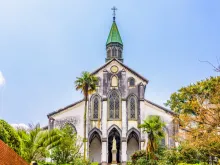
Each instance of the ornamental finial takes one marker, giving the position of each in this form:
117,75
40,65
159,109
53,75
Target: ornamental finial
114,9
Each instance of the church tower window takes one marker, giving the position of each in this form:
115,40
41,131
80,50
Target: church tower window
114,52
132,107
114,105
114,81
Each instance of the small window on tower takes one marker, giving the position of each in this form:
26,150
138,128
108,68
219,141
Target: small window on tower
119,53
131,81
109,53
114,52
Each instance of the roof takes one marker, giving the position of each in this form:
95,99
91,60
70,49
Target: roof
131,70
63,109
161,107
114,35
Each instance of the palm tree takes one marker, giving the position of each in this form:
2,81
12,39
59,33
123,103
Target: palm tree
153,126
87,84
37,142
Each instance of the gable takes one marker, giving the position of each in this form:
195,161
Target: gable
130,72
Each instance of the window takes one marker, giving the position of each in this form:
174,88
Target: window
96,108
132,107
114,105
114,52
109,53
131,81
114,82
119,53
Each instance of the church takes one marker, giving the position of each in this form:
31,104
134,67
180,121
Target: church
115,110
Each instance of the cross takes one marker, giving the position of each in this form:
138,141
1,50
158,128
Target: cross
114,9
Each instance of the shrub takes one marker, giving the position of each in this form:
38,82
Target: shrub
9,136
142,161
94,163
137,155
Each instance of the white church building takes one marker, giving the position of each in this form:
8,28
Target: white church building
115,110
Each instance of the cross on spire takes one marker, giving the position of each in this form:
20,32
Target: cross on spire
114,9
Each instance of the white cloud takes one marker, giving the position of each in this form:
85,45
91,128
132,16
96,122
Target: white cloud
2,79
21,125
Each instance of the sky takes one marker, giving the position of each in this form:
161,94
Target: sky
45,45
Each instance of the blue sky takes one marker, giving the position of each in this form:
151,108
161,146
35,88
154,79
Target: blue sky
45,45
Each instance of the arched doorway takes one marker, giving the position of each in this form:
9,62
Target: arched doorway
95,147
114,133
132,144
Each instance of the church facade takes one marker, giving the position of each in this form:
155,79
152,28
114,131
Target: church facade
115,110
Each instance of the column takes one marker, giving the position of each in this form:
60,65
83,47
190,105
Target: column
124,132
104,132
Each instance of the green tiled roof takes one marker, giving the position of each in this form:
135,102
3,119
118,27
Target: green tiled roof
114,35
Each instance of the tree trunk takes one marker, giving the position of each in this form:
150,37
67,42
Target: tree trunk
85,140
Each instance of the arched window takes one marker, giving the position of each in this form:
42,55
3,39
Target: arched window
114,106
109,53
114,82
131,81
132,107
96,108
119,53
114,52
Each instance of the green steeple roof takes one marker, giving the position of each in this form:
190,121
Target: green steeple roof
114,35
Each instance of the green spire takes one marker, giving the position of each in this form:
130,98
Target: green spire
114,35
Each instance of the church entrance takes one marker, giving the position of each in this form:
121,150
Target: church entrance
114,134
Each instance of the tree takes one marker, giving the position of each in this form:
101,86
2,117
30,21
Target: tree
9,136
36,142
87,84
153,126
198,106
68,150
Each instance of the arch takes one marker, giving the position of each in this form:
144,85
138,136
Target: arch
95,146
119,53
131,82
70,124
114,105
114,52
132,106
133,142
98,131
109,53
114,132
165,140
116,127
114,81
134,130
95,106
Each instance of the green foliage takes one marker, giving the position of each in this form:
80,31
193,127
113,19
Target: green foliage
142,161
94,163
9,136
37,142
153,126
87,84
137,155
68,149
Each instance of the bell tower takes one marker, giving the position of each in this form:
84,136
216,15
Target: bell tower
114,44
